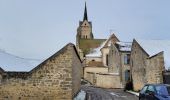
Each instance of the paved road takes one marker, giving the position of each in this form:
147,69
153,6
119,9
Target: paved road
94,93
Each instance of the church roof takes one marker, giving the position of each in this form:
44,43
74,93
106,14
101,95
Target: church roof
88,44
105,44
96,52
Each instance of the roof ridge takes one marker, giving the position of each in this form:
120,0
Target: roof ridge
62,50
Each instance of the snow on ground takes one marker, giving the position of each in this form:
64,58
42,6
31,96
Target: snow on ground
114,94
9,62
81,95
153,47
132,92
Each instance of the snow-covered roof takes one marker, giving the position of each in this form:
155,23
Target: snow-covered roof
153,47
124,46
9,62
96,52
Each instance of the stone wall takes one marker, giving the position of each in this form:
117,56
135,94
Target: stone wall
53,79
124,68
104,80
94,70
77,73
116,63
93,61
0,78
138,66
90,76
105,52
155,67
114,60
1,73
145,69
108,81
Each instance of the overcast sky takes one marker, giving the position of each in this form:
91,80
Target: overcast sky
39,28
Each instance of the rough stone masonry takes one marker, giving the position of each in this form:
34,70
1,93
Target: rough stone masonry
57,78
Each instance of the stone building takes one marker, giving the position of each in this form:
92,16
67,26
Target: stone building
1,73
95,56
99,56
149,58
119,60
56,78
99,75
105,49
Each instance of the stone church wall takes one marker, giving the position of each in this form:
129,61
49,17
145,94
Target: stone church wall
57,78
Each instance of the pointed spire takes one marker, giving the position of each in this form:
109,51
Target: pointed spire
85,13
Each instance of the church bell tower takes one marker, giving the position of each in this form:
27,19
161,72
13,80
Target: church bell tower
84,31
